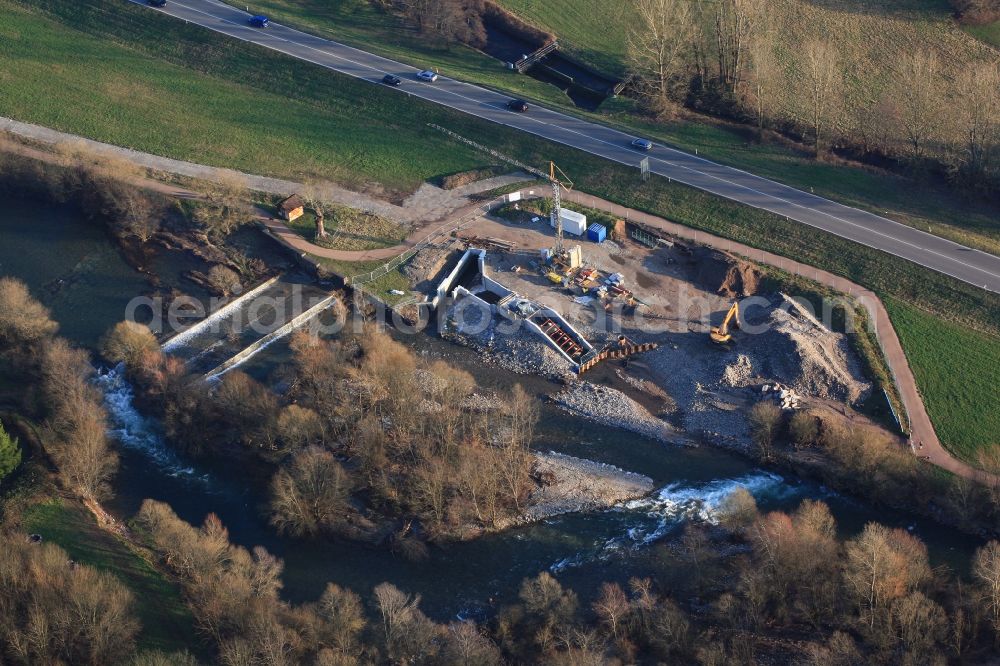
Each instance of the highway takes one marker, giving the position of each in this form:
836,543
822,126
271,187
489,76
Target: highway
967,264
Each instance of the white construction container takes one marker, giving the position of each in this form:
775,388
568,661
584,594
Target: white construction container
573,222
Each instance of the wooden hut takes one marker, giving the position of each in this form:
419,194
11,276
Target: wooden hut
291,208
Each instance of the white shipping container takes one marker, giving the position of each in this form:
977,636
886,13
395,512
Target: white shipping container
573,222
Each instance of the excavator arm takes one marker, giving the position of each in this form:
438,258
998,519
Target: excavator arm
721,333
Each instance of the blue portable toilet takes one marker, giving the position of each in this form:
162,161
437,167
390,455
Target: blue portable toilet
597,232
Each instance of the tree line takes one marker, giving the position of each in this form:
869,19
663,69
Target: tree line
867,461
743,587
724,58
60,395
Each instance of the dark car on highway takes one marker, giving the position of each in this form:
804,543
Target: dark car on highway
518,105
258,21
642,144
156,3
391,80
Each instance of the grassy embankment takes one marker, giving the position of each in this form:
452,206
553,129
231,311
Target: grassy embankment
350,229
167,623
868,38
293,105
955,367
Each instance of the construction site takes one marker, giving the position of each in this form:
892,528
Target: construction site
647,332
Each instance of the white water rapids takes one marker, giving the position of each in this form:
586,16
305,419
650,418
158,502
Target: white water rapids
644,521
135,431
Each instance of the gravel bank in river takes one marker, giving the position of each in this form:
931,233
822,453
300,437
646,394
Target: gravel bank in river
575,484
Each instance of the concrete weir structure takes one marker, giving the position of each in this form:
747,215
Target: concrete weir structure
468,281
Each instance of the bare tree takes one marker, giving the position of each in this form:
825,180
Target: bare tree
406,630
737,23
223,281
986,569
920,624
884,564
309,495
75,434
299,426
612,607
58,612
225,204
344,618
447,20
128,342
765,419
23,320
918,95
763,83
659,37
738,509
978,116
823,79
465,644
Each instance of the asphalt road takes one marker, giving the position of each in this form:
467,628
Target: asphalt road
966,264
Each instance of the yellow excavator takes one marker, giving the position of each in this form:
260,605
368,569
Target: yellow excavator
721,333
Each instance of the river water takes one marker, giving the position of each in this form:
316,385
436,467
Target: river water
467,579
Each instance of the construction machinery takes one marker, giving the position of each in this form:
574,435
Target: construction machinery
720,334
555,176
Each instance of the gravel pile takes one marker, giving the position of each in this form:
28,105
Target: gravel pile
739,373
808,358
613,408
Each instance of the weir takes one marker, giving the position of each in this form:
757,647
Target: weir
178,340
252,350
236,332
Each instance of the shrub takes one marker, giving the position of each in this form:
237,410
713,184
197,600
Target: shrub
128,342
310,495
10,453
23,320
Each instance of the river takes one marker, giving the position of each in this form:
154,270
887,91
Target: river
466,579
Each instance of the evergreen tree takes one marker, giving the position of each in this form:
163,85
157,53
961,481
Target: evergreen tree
10,453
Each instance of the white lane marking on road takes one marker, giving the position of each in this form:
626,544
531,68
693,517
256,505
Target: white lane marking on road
669,163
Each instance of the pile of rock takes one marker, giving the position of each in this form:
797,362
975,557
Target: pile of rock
785,396
613,408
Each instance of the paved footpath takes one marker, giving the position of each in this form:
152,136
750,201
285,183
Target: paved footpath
923,438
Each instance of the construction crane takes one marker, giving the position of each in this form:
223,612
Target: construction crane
721,333
558,182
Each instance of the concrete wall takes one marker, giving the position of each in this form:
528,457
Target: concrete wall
448,284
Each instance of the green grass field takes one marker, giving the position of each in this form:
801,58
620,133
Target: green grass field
595,31
235,112
167,623
989,33
68,78
956,369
